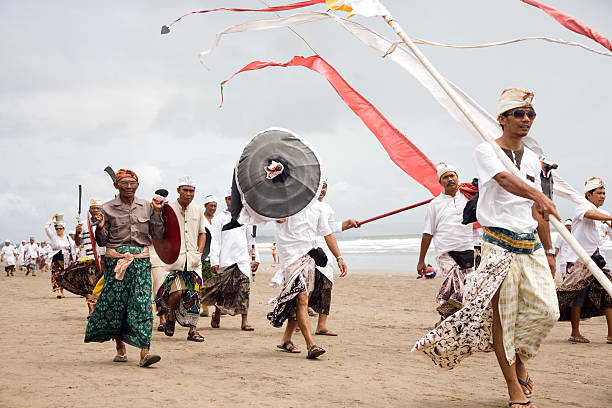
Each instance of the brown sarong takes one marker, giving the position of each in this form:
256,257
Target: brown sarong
320,297
229,291
578,281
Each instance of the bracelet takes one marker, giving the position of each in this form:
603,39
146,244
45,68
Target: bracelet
550,252
338,257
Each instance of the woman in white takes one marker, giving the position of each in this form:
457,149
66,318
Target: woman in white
62,248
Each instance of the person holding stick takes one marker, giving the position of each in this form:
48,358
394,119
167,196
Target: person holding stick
452,239
580,295
509,302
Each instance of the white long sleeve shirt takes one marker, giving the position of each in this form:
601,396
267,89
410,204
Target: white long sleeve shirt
231,246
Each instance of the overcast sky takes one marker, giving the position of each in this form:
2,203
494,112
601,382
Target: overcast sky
90,84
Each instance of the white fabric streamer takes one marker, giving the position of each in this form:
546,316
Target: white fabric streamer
410,63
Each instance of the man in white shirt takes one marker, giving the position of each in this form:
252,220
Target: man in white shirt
210,207
30,256
452,239
180,292
320,297
296,238
511,297
563,251
21,255
9,256
231,265
580,294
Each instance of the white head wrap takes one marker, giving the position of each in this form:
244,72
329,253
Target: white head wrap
210,199
567,222
444,168
593,183
186,181
514,98
7,240
228,193
95,203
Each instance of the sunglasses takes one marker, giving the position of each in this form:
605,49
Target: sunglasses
520,114
59,228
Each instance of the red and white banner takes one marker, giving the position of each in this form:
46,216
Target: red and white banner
571,23
401,150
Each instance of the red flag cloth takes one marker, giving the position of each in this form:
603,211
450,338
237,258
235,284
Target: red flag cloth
401,150
291,6
468,190
571,23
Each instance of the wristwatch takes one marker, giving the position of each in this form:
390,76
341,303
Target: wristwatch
551,252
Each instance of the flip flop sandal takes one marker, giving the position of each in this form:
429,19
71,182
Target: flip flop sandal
525,384
161,327
314,352
169,328
326,333
247,328
581,339
288,347
523,404
149,359
120,358
195,336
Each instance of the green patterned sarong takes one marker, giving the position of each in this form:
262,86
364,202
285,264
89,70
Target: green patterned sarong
124,306
206,272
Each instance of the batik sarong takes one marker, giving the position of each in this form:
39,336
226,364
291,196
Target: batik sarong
190,283
57,269
297,278
320,297
578,281
527,307
228,290
124,307
81,277
450,296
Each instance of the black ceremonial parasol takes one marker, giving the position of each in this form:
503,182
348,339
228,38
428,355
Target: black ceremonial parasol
278,174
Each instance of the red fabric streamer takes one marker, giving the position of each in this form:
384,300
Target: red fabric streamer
571,23
291,6
401,150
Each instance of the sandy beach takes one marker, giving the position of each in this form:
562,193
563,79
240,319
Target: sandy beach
379,317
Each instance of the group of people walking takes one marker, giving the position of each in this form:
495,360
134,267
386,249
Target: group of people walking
29,256
509,303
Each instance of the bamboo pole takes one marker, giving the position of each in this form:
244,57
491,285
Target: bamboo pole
567,236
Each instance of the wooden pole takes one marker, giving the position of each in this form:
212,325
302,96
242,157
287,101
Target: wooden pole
567,236
392,212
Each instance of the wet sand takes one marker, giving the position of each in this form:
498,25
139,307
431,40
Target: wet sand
44,362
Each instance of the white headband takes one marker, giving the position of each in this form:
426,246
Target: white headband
593,183
514,98
210,199
444,168
186,181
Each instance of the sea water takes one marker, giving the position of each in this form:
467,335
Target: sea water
384,254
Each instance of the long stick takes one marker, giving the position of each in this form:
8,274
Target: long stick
392,212
567,236
80,198
254,235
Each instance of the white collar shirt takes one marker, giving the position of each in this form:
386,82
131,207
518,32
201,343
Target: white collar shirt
496,206
587,232
231,246
298,234
443,221
191,226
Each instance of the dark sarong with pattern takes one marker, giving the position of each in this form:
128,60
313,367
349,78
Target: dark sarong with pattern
57,268
188,311
320,297
124,306
577,279
229,291
81,277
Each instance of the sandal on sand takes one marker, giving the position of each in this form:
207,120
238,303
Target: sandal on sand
169,328
247,328
161,327
314,352
311,312
289,347
578,339
195,336
526,385
120,358
608,341
326,333
522,404
149,359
